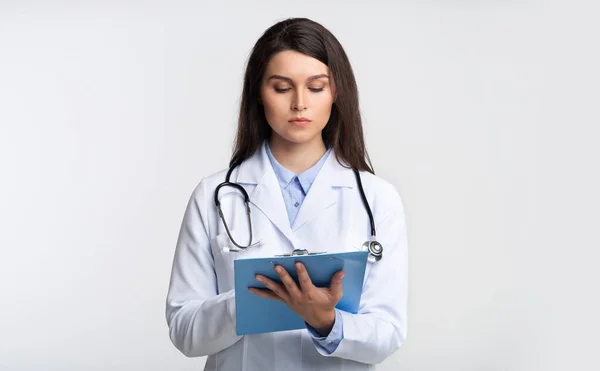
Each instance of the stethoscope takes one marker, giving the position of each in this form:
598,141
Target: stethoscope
375,248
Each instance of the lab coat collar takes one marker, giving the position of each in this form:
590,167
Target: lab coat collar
267,194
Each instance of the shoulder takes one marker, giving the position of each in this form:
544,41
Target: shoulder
205,188
378,187
381,194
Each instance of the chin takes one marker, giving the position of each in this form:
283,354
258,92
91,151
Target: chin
299,138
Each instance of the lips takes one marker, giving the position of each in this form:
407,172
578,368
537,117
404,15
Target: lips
299,120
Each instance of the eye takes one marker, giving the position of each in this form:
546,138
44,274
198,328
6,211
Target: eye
315,90
280,90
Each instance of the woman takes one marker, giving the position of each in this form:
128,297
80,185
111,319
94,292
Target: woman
299,138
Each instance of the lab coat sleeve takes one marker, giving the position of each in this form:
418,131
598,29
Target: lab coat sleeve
201,321
380,326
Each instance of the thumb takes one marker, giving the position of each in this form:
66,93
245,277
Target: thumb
336,285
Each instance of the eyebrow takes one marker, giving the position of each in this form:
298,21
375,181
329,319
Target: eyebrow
311,78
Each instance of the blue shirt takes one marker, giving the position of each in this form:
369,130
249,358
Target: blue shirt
294,188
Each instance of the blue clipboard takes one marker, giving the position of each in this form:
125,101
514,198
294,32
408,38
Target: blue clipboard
256,315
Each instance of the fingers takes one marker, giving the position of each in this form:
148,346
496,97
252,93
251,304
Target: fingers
303,277
275,287
336,285
265,293
287,281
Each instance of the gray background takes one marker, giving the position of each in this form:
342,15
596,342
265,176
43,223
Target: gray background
484,114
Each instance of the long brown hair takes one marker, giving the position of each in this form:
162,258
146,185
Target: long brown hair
343,131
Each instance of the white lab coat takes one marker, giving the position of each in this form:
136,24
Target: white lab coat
201,302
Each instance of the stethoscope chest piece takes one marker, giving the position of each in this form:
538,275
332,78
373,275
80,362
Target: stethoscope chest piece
375,250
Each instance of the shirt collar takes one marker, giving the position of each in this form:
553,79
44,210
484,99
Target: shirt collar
285,176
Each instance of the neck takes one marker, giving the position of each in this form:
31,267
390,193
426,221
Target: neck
297,157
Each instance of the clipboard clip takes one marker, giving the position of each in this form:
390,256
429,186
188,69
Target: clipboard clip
301,252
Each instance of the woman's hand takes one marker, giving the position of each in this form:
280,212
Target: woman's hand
313,304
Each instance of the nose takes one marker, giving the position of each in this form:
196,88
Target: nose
299,104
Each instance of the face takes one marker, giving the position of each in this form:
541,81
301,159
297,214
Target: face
296,86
